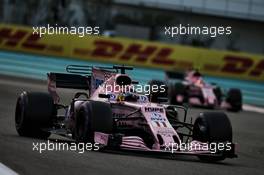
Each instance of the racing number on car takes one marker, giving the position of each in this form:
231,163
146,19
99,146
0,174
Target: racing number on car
157,120
159,124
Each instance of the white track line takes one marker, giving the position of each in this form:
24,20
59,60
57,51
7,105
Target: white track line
4,170
253,108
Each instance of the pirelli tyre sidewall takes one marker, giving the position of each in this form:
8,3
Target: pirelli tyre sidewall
93,116
212,127
34,111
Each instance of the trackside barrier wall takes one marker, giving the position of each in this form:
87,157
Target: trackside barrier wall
134,52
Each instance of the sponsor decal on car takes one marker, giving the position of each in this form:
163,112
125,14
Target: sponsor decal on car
153,109
157,117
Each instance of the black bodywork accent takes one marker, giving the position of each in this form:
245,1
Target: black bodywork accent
72,81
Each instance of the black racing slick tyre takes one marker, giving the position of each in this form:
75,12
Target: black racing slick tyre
234,98
212,127
175,90
34,111
93,116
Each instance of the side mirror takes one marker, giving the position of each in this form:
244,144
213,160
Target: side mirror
134,82
162,99
103,95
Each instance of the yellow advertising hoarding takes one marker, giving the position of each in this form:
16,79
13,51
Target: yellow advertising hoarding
134,52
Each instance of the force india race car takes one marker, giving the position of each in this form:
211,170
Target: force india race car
191,88
118,119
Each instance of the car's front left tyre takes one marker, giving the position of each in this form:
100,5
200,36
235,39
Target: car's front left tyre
34,111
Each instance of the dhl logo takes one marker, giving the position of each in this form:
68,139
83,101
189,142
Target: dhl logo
138,53
12,38
162,57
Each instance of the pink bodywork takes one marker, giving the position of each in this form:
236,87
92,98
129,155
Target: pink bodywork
153,116
206,89
157,121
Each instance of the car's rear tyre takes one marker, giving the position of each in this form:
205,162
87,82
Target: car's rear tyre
93,116
234,98
212,127
175,90
218,94
34,111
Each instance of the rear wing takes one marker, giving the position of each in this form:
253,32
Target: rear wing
78,77
73,81
64,80
81,77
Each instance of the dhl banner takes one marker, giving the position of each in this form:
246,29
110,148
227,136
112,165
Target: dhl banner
134,52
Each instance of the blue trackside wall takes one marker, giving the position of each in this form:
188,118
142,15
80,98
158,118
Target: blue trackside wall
36,67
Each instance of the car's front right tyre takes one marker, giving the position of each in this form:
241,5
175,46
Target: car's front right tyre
212,127
93,116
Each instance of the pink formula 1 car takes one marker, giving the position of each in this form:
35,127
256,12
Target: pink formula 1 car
120,118
192,89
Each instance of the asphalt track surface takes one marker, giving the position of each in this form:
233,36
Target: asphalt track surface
16,152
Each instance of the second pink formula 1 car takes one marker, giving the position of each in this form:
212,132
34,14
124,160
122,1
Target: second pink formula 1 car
191,88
